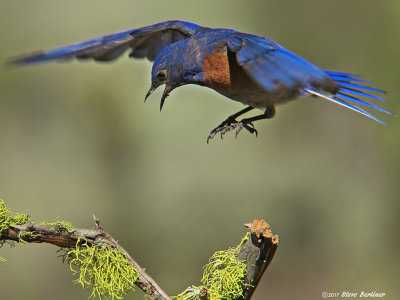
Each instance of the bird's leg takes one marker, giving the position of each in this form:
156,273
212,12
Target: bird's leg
244,123
229,124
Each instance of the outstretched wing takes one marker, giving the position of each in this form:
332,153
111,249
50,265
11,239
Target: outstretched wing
143,42
285,74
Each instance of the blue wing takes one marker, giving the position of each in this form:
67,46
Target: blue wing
274,68
284,74
143,42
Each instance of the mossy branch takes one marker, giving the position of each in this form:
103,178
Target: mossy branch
101,263
236,272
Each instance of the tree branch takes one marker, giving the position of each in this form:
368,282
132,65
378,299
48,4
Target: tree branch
256,252
236,272
59,236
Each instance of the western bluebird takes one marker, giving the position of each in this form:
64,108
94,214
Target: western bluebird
253,70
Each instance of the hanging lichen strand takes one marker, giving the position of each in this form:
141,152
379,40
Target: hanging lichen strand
103,268
223,277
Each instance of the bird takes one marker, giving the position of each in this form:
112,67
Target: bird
248,68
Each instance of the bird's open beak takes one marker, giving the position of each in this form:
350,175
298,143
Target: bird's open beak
165,94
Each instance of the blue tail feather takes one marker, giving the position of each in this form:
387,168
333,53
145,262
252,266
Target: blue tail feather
345,104
356,100
347,79
359,93
359,86
341,74
348,92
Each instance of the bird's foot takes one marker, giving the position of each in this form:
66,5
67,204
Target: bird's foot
229,125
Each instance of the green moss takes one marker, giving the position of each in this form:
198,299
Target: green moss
2,259
224,275
105,269
63,225
191,293
25,235
244,240
8,219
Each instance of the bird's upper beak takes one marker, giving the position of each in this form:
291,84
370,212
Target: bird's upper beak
151,90
165,94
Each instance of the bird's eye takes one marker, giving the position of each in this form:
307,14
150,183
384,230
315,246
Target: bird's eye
161,75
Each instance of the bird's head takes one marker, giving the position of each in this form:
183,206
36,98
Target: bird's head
166,71
173,68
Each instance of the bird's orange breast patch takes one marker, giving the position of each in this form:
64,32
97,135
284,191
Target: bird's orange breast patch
216,70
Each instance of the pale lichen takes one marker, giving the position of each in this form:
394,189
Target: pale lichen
223,277
24,236
60,224
103,268
99,266
192,293
8,219
244,240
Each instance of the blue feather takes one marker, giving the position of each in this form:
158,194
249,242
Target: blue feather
359,93
70,51
347,105
348,89
272,66
258,74
341,74
148,40
356,100
359,86
347,79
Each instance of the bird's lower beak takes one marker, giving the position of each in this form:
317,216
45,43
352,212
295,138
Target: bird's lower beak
165,94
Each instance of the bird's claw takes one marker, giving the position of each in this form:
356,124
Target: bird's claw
221,129
225,127
251,129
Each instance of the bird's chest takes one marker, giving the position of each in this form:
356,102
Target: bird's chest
216,69
224,75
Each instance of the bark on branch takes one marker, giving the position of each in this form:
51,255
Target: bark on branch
258,253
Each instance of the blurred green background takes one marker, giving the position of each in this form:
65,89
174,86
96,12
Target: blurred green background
76,139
